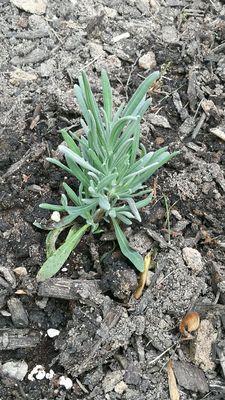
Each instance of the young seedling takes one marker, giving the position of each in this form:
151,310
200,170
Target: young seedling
111,166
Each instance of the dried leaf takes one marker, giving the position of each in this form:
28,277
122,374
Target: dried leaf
173,390
143,275
189,323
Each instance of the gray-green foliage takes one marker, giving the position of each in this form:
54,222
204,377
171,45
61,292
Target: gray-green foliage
110,165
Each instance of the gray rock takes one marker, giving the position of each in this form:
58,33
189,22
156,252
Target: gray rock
143,6
193,259
47,68
190,377
159,120
111,380
15,369
132,375
31,6
36,56
201,347
170,34
19,315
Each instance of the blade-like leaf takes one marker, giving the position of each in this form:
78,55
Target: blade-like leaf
71,194
79,160
104,203
124,219
107,94
77,171
51,239
91,103
53,264
127,251
118,127
81,210
70,142
134,209
140,92
52,207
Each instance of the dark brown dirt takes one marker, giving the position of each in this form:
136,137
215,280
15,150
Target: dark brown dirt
52,49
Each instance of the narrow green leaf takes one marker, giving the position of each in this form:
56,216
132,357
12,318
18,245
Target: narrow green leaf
145,202
118,127
135,145
53,264
70,142
140,92
51,239
52,207
133,208
118,113
81,102
107,94
76,171
79,160
127,251
80,210
107,181
104,203
124,219
91,103
71,194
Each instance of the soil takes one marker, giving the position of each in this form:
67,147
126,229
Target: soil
110,345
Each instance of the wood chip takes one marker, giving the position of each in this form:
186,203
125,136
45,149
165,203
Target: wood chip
173,390
123,36
190,377
11,339
219,132
143,276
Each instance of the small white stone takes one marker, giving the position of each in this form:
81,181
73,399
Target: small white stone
40,375
5,313
42,303
20,271
38,371
121,387
51,332
31,6
193,259
15,369
66,382
55,216
50,374
123,36
110,12
147,61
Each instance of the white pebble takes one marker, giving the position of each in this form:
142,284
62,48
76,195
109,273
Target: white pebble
5,313
147,61
15,369
38,371
66,382
50,374
55,216
51,332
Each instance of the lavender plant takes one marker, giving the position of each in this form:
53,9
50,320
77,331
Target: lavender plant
111,166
